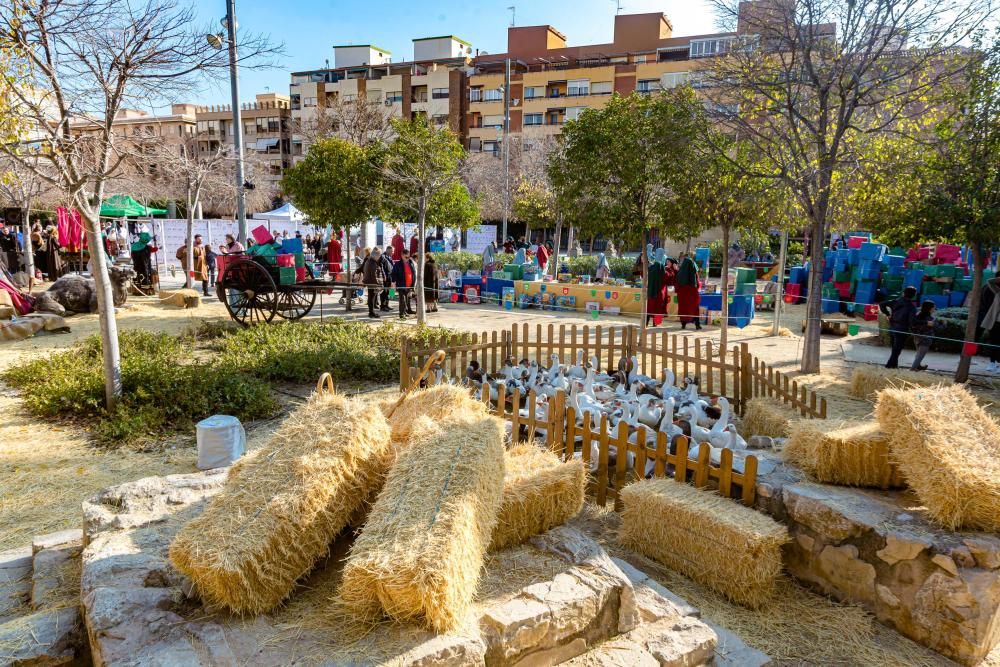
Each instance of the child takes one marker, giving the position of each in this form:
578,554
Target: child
923,333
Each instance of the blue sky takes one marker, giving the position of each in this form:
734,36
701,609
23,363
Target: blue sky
309,28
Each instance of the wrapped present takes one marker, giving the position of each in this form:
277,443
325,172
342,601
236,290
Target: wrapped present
291,246
286,275
261,235
873,252
300,274
854,242
286,259
300,259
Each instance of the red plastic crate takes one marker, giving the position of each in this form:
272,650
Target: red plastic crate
261,235
856,241
287,259
300,272
871,312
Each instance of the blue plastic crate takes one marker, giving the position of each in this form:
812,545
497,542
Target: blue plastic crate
291,246
873,252
869,270
798,275
940,300
896,270
831,305
957,298
895,260
913,278
711,302
853,256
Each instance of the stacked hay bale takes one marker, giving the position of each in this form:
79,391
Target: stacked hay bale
438,403
180,298
848,454
421,550
867,381
539,492
730,548
767,416
281,507
948,449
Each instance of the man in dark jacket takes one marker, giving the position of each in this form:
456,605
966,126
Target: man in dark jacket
901,313
404,276
387,270
372,277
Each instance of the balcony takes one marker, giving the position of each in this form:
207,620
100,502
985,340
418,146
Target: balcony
475,96
419,98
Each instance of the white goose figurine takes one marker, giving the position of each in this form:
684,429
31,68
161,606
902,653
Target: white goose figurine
554,369
578,371
635,376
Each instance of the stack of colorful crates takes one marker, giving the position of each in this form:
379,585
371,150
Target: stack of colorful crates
746,281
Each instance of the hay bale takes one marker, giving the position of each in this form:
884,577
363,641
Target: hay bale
437,403
540,492
948,449
419,556
850,454
181,298
867,381
730,548
281,507
767,416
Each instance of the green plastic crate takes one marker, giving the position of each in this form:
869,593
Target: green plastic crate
516,271
947,270
746,275
962,284
300,260
932,288
286,275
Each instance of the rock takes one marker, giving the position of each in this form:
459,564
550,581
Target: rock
963,557
15,582
53,540
573,604
42,639
52,573
731,651
846,574
760,442
901,546
556,655
446,650
515,627
616,653
682,643
886,596
811,506
986,551
653,600
806,542
15,559
945,563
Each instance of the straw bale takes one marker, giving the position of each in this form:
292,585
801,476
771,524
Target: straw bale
438,403
867,381
281,507
540,492
420,553
730,548
948,449
767,416
848,453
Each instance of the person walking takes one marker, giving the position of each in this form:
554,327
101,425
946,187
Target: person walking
688,298
923,328
370,274
901,312
199,271
404,276
430,283
210,256
387,265
989,321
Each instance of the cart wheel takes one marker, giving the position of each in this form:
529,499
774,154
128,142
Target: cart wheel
294,304
249,293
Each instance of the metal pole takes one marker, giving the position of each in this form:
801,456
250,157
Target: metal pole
506,147
778,297
234,85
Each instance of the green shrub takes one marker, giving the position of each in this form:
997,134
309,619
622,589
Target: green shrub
163,392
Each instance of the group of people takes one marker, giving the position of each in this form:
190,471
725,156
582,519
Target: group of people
392,268
666,272
907,319
44,250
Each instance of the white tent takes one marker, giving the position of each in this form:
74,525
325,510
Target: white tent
285,213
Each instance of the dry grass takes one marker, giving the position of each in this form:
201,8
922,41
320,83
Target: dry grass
722,544
767,416
850,453
948,449
281,507
437,403
419,556
868,380
539,492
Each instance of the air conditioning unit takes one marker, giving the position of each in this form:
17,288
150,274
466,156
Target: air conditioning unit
388,103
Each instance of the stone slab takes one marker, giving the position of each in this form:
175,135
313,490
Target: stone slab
49,571
616,653
42,639
73,536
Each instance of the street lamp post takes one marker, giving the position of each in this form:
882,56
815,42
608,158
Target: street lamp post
506,147
229,23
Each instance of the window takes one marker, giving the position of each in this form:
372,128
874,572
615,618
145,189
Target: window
261,124
493,121
531,92
673,79
475,144
647,86
533,119
373,95
490,147
439,93
475,94
440,119
704,48
208,127
640,59
274,169
574,112
349,99
296,101
309,102
492,95
249,127
601,88
394,97
554,118
578,87
274,124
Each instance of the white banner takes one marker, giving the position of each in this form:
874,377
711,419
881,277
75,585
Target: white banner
171,234
476,241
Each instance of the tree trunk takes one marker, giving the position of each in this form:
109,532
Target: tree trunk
527,233
590,249
554,259
724,288
419,282
978,264
106,316
814,304
687,246
570,240
778,300
28,249
189,250
645,283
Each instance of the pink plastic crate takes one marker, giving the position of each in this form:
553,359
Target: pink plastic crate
261,235
300,271
286,260
947,253
855,241
923,252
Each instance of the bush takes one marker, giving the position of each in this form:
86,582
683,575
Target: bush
163,392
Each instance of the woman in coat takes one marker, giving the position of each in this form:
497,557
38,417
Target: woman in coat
688,298
430,283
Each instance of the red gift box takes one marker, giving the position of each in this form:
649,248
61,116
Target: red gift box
261,235
856,241
947,253
286,260
871,312
300,271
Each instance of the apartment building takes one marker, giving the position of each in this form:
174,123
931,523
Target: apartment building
552,82
146,132
432,85
266,133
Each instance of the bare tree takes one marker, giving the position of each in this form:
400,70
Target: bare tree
813,78
22,188
79,63
361,121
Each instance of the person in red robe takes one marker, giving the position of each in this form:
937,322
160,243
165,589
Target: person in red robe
335,254
543,257
688,298
398,245
414,245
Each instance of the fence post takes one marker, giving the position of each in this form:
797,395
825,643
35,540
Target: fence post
746,378
404,365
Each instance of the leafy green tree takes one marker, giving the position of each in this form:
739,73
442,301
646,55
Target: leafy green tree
454,207
420,164
336,184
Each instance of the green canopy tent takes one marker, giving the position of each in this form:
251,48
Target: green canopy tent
123,206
